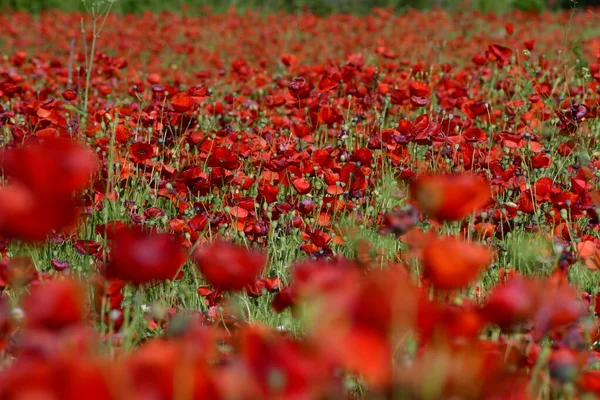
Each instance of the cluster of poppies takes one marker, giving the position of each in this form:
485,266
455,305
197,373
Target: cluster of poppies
296,206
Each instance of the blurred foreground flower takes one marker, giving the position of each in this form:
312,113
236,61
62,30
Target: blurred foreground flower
450,197
42,180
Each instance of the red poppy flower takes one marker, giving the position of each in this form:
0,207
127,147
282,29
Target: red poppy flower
450,197
70,376
29,216
267,193
511,303
59,265
141,152
110,229
329,82
329,116
55,305
182,102
154,370
301,372
140,257
107,293
123,133
367,353
69,95
227,266
450,263
590,382
299,88
302,185
54,167
224,158
500,54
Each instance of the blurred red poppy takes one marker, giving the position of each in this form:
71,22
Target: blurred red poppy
29,216
156,369
43,179
589,381
227,266
511,303
450,263
141,257
450,197
368,353
282,368
55,305
54,167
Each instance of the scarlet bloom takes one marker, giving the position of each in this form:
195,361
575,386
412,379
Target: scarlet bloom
500,54
141,152
450,263
182,102
55,305
302,185
224,158
328,115
29,216
589,381
71,376
511,303
141,257
54,167
69,95
154,368
450,197
303,372
227,266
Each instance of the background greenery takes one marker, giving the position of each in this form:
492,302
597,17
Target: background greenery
319,6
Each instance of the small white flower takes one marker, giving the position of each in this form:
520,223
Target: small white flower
114,315
17,313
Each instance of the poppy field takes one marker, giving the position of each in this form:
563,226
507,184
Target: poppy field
244,205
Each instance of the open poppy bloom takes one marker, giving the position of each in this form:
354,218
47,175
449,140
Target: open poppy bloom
140,152
141,257
227,266
450,263
450,197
